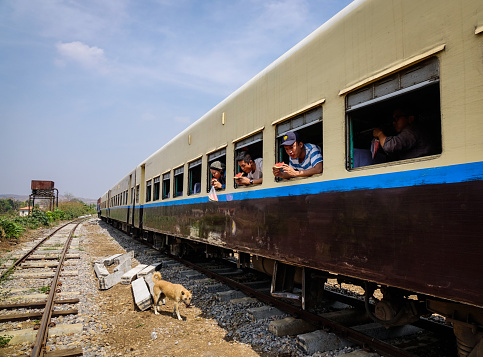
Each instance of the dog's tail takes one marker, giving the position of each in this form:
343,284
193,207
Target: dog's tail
157,276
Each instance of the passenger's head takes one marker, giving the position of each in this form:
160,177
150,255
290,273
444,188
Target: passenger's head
245,162
292,144
401,118
216,169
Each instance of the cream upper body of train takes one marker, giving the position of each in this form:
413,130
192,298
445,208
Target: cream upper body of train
410,225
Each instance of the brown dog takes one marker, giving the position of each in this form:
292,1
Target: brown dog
163,289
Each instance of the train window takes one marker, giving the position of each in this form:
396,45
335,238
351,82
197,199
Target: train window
178,181
148,190
166,185
252,146
132,194
404,108
216,158
156,188
194,177
307,125
137,194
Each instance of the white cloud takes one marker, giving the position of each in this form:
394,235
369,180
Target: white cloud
82,54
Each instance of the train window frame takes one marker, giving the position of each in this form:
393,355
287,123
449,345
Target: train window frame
253,144
137,193
156,188
218,155
149,186
304,123
166,189
194,173
415,87
178,181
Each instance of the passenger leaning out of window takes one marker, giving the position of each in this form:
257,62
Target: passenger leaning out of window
410,141
305,159
252,168
217,170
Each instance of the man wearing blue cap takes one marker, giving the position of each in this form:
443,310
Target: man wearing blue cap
305,159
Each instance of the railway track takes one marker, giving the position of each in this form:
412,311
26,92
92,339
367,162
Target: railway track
348,321
41,269
238,300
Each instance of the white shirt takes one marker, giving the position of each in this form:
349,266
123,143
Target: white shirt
258,173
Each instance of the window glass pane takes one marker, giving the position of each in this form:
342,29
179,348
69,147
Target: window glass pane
156,188
249,141
194,163
178,181
148,190
301,121
215,155
424,73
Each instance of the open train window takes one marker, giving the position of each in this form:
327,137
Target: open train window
307,125
156,189
253,146
149,184
405,108
194,177
137,194
178,181
220,156
166,185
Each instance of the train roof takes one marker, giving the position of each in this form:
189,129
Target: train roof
321,29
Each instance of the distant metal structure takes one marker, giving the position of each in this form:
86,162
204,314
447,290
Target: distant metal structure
44,190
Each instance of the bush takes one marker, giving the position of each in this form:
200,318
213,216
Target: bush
10,229
58,215
74,209
35,220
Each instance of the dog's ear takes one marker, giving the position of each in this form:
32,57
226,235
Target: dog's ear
191,291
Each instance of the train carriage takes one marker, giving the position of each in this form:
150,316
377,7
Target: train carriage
406,225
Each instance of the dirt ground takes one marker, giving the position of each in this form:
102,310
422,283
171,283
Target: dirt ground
127,332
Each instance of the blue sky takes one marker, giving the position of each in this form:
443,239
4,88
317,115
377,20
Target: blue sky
90,88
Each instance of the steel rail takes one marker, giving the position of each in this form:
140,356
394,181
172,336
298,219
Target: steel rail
41,338
26,255
348,333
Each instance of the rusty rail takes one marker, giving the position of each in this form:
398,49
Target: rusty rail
379,346
26,255
40,341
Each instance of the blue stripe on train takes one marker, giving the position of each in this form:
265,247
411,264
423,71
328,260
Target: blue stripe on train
430,176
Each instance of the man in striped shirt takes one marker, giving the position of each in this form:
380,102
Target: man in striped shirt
305,159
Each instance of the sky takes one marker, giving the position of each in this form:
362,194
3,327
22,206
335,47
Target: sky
91,88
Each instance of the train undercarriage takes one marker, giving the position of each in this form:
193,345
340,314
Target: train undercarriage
386,305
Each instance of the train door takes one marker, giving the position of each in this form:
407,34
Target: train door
129,201
142,193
